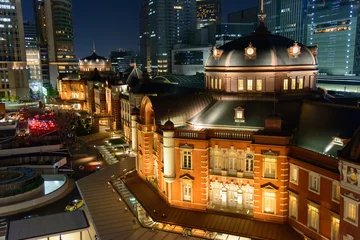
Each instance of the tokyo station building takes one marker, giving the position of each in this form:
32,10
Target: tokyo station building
261,143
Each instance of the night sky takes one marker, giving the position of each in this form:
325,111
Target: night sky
113,24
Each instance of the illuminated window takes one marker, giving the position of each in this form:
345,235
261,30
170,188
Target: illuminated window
220,83
186,159
314,182
286,84
351,211
61,67
239,114
336,191
335,226
269,202
187,191
212,82
269,167
294,174
259,85
218,160
301,83
293,206
293,83
240,85
216,83
249,84
313,217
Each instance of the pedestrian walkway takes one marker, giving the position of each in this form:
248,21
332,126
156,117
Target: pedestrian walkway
110,214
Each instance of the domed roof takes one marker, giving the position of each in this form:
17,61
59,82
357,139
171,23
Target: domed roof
169,125
266,50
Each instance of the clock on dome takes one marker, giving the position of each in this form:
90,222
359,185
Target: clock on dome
294,51
250,52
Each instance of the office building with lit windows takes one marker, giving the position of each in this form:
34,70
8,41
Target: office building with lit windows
144,36
33,58
170,23
334,26
56,38
208,12
286,18
13,70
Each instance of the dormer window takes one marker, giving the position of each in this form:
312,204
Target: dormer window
239,115
338,141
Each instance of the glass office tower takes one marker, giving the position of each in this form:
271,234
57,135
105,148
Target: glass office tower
333,25
208,12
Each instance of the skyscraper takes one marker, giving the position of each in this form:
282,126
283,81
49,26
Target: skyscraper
33,58
286,18
170,23
334,25
145,36
55,30
208,12
13,73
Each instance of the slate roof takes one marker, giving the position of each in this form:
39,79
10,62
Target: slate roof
209,221
187,107
93,57
271,50
320,122
222,113
194,80
47,225
163,89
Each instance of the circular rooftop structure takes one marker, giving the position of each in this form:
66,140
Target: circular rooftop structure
261,50
169,125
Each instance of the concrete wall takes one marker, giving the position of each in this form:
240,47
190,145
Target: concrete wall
23,197
31,204
48,148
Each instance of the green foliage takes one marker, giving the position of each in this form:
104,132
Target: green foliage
51,92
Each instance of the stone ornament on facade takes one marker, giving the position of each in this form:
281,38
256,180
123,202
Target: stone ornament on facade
216,53
250,52
294,51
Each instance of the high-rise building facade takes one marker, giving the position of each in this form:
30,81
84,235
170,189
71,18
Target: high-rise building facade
286,17
170,23
13,72
248,15
334,26
121,60
145,36
208,12
55,30
33,58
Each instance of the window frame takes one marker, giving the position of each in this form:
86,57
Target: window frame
184,183
292,180
185,154
292,208
269,200
313,206
248,85
286,84
346,217
300,82
335,185
334,233
272,163
259,82
293,84
242,85
310,177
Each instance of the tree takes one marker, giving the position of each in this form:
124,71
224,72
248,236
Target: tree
51,92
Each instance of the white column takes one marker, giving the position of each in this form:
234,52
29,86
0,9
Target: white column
134,133
169,156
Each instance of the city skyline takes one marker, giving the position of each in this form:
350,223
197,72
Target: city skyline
106,32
